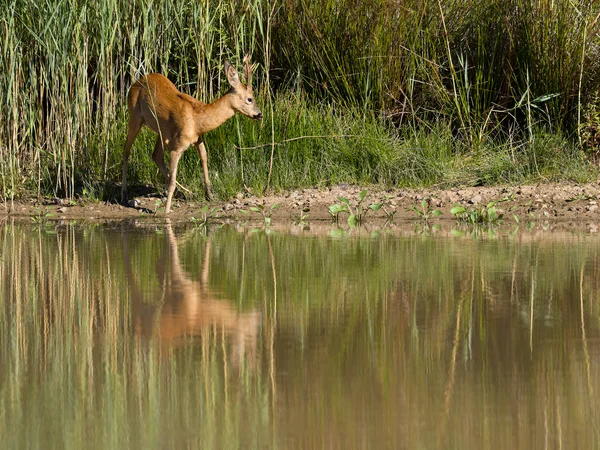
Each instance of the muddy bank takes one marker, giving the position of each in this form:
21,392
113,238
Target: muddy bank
548,202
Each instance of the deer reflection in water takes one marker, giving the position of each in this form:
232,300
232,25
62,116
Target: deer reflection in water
186,309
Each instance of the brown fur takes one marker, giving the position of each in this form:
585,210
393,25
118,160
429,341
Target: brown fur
180,121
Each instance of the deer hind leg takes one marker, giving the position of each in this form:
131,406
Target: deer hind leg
135,125
176,152
158,155
204,157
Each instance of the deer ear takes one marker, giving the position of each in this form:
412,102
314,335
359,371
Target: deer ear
232,75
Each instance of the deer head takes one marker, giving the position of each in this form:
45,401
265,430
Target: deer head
241,96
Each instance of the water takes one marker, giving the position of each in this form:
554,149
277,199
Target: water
159,336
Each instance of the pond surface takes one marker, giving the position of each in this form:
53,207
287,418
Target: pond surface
158,336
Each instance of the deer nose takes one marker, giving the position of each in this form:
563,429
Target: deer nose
258,116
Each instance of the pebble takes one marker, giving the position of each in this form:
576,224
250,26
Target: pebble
593,208
476,199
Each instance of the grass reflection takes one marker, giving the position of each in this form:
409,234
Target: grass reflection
160,336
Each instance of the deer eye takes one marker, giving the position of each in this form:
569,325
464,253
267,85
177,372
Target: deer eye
249,100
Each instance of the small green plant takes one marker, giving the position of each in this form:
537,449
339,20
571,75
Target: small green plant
580,197
335,210
206,214
508,198
356,213
425,212
487,214
91,193
387,208
266,213
300,218
40,215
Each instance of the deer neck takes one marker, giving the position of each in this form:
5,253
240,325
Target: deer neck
214,115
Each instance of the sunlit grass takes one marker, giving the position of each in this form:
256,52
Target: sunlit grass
494,84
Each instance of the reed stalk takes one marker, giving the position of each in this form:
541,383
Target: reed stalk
376,65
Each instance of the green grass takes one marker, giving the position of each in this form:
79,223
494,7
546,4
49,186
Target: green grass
323,145
500,96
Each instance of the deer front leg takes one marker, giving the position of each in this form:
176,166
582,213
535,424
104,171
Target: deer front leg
204,157
175,155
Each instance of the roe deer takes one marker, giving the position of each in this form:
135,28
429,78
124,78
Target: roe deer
189,308
180,120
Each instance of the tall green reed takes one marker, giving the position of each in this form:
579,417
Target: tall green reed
488,70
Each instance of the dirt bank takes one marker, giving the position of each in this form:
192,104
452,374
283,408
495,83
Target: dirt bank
548,202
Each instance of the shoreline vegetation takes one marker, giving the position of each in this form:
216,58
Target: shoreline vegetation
396,94
542,207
